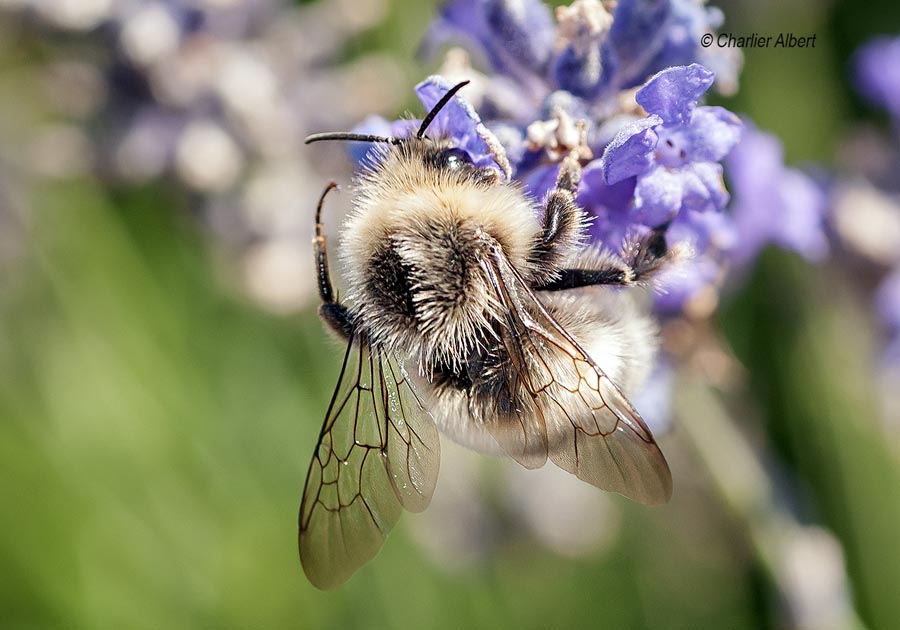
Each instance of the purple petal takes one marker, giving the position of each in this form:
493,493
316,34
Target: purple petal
703,230
773,203
687,22
658,196
457,120
877,69
611,228
378,126
525,29
754,165
704,189
608,204
712,133
541,180
673,93
631,151
801,227
593,190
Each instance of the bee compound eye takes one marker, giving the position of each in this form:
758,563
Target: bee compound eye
454,158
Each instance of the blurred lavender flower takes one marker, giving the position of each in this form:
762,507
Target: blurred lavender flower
867,209
217,96
887,304
773,204
877,73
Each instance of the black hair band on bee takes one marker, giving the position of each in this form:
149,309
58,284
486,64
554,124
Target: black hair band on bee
429,118
354,137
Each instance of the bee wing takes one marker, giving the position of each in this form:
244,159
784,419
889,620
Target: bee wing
591,430
378,452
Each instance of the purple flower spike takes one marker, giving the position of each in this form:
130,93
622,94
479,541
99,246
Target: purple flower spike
663,169
673,93
651,35
514,36
877,66
637,33
457,120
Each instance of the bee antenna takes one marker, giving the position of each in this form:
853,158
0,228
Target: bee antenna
440,105
355,137
331,186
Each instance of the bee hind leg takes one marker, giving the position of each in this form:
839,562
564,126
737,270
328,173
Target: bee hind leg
331,310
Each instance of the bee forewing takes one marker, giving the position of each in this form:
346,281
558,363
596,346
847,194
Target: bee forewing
590,428
520,433
378,452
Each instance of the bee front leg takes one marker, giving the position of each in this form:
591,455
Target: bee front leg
331,311
564,222
640,260
648,254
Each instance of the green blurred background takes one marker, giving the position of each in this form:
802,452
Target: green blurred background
155,424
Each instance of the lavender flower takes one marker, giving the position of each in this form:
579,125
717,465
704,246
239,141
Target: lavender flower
773,204
674,153
648,36
214,96
515,38
877,73
600,53
887,305
867,218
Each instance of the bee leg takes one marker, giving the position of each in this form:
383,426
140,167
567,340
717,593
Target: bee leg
338,319
645,256
564,222
641,259
331,311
